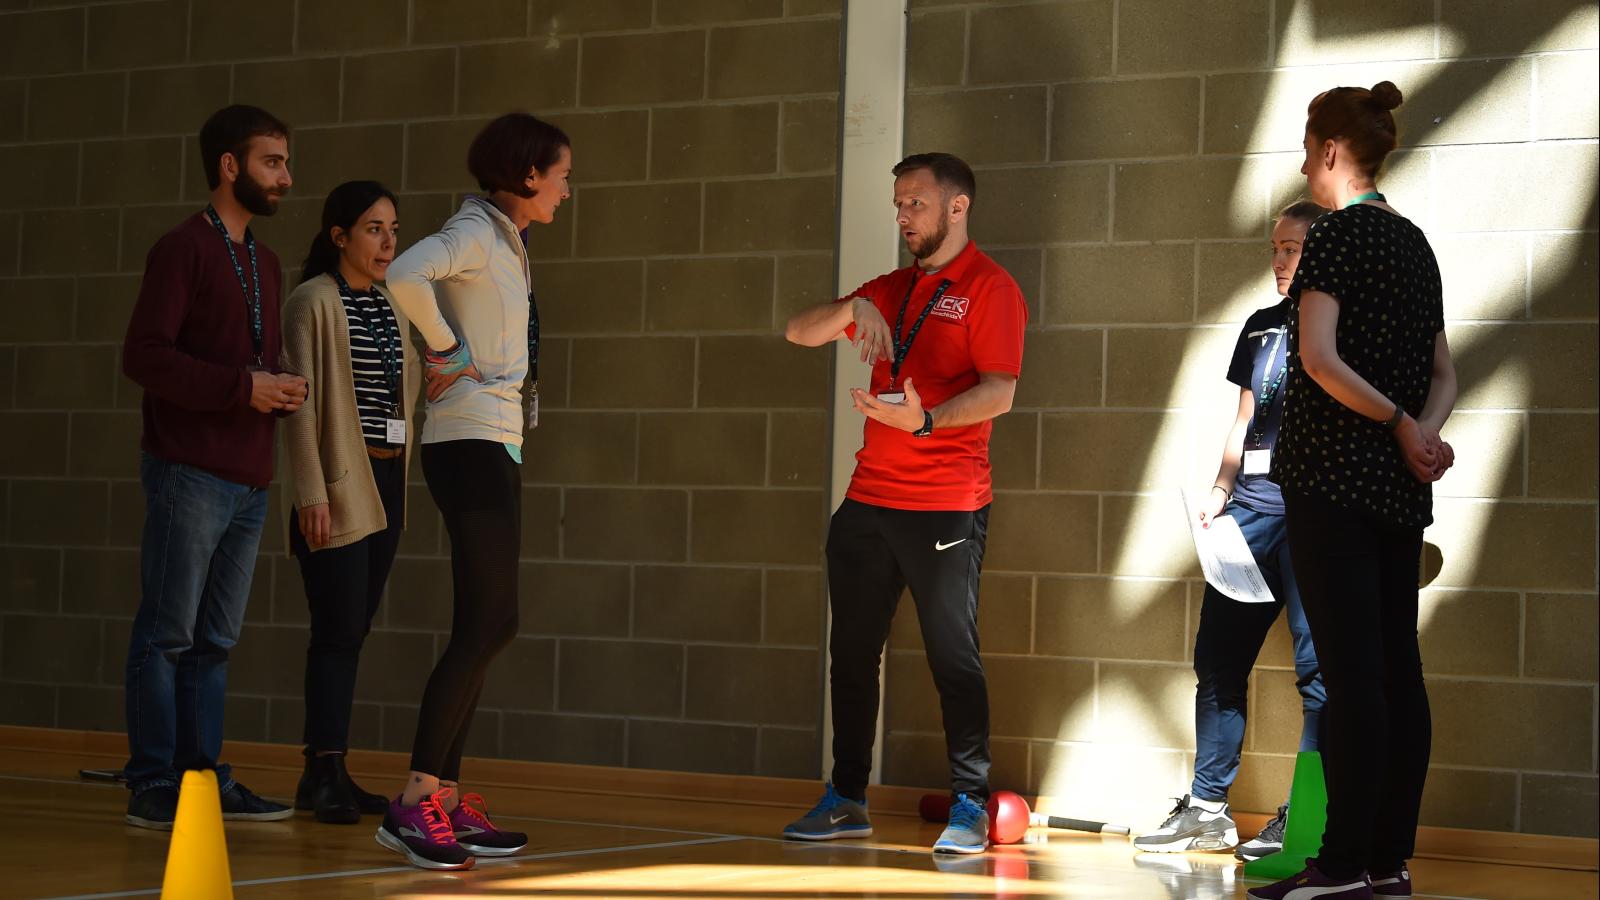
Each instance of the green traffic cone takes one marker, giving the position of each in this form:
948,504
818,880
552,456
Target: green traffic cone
1308,816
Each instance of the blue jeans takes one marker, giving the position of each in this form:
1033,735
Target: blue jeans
1225,650
198,554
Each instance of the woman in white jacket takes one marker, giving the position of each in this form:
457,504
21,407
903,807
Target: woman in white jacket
467,290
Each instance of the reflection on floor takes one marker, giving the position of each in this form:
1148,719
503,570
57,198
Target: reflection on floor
71,842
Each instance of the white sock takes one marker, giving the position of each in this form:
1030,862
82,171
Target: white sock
1210,806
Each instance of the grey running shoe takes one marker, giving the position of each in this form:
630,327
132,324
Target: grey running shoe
1190,828
1268,842
968,831
833,817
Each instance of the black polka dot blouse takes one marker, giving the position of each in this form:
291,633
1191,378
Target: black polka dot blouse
1380,268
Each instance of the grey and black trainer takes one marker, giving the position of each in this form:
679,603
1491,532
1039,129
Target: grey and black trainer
833,817
968,831
1189,827
1268,842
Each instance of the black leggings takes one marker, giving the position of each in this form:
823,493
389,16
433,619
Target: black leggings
1358,582
343,587
478,489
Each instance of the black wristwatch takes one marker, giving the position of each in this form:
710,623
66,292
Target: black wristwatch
927,425
1395,420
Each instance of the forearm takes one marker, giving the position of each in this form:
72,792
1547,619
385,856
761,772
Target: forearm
1232,459
817,325
1345,385
1442,391
983,401
181,379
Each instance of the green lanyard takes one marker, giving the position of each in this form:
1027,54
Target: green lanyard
1369,195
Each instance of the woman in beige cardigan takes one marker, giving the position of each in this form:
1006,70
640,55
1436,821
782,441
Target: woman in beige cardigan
348,460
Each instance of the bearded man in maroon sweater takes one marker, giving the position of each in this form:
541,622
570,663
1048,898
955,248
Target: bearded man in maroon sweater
201,342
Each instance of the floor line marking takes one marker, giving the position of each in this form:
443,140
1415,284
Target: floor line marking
393,870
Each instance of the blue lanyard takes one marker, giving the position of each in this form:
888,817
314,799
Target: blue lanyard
902,350
533,342
382,335
1268,391
1369,195
252,300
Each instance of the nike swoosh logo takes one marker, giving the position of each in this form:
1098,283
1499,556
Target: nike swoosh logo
941,545
411,831
834,820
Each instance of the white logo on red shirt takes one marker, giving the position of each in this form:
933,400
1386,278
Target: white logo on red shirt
953,308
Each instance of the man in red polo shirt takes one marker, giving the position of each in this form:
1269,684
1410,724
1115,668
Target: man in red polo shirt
945,339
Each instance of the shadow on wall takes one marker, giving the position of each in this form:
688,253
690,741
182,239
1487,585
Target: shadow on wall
1466,124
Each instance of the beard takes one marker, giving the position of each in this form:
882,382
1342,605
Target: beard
259,200
927,245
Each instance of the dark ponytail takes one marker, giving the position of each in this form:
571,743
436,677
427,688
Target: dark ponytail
342,209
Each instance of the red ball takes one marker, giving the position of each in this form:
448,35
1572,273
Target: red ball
934,807
1008,817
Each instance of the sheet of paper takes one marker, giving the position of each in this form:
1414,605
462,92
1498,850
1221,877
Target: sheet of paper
1225,558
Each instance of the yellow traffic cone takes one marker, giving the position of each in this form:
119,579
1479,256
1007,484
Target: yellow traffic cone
197,860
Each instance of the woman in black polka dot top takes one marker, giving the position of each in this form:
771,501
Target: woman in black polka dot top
1370,384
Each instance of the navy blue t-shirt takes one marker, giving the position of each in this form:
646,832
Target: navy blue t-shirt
1258,366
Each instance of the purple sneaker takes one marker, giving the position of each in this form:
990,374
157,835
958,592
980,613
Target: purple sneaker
1311,884
422,834
1392,885
479,836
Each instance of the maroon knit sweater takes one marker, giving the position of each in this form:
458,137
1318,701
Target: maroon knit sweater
189,347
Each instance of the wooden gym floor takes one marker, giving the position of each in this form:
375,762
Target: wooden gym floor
67,839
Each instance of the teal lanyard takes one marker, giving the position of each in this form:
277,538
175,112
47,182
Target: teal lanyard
1369,195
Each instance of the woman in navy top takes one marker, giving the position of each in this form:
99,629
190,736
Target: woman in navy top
1231,632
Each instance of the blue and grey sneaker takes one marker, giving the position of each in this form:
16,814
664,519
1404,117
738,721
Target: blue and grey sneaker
833,817
968,831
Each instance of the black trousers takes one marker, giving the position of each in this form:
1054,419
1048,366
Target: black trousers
343,588
1358,581
875,553
478,489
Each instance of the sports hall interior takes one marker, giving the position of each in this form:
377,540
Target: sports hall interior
661,713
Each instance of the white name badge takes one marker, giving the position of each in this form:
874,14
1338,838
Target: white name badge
899,397
1257,462
533,411
395,431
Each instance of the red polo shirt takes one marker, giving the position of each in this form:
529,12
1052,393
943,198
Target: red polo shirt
975,327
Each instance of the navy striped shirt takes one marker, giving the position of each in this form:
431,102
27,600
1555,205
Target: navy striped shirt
376,399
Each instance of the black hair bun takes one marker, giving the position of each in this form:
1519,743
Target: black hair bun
1386,95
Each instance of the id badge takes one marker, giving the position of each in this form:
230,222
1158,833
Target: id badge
897,397
1257,462
395,431
533,411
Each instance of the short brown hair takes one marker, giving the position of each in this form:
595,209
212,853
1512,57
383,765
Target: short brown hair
951,172
509,147
229,130
1361,118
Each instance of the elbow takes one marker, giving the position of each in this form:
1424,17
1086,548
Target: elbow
796,334
1315,365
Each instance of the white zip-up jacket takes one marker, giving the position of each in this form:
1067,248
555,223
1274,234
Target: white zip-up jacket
470,282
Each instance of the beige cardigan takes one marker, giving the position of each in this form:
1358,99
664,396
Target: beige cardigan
327,455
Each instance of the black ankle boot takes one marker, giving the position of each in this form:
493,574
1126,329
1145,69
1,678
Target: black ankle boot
371,804
331,798
308,783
